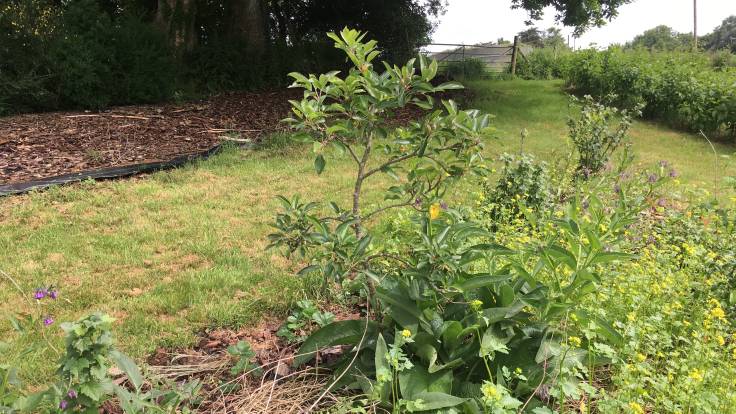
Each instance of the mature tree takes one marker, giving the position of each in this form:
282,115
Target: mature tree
532,36
723,36
581,14
661,38
551,37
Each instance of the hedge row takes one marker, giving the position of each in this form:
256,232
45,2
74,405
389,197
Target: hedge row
681,89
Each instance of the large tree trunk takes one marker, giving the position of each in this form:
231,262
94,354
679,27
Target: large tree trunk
177,19
248,24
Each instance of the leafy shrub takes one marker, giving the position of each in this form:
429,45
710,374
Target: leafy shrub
85,381
723,60
466,69
593,135
544,63
24,68
524,183
457,321
678,88
304,320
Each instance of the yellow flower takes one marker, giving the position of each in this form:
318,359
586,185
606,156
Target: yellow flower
721,340
434,211
718,313
696,375
489,391
636,408
406,333
476,304
641,357
575,341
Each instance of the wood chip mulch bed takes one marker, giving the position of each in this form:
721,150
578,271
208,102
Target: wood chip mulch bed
35,146
38,146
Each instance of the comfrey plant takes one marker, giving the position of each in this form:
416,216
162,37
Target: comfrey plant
352,115
84,380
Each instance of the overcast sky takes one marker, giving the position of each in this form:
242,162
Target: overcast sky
474,21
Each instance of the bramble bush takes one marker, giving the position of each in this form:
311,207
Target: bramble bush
681,89
544,63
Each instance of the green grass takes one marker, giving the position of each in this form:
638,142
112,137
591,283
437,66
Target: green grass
541,108
176,252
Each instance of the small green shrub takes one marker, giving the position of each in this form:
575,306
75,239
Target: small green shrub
305,319
594,135
467,69
723,60
523,183
85,381
544,63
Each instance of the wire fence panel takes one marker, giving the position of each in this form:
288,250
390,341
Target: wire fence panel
497,58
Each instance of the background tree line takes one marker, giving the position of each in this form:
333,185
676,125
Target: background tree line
57,54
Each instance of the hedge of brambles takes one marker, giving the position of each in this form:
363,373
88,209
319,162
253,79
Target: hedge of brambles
682,89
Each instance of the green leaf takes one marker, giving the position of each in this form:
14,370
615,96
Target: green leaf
605,257
319,164
337,333
418,380
491,343
384,374
478,281
431,401
129,367
309,269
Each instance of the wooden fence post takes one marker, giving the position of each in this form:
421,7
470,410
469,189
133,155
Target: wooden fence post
514,53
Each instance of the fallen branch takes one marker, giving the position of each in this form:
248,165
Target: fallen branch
131,117
224,138
220,130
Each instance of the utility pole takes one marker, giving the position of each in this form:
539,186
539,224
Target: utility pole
695,25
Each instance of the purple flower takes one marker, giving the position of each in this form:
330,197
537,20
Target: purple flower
63,404
673,174
72,394
617,188
443,205
652,178
53,294
418,202
40,293
48,320
664,163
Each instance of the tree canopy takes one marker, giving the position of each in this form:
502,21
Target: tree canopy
662,38
580,14
723,36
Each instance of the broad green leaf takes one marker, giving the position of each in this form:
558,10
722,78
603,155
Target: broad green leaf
605,257
319,164
432,401
418,380
337,333
478,281
129,367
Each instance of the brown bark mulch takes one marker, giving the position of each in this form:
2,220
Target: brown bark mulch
35,146
38,146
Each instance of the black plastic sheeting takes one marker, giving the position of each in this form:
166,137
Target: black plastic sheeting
106,173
